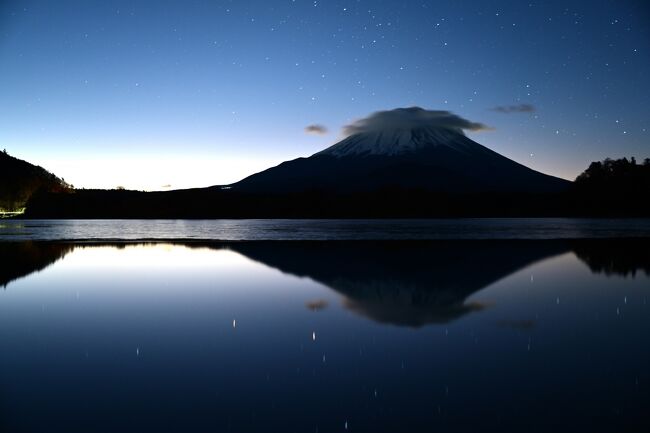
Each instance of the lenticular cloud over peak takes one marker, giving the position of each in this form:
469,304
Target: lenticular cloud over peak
412,118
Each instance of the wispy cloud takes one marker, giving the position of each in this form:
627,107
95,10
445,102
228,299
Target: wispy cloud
316,129
519,108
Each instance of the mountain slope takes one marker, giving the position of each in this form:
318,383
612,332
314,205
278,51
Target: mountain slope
430,158
20,179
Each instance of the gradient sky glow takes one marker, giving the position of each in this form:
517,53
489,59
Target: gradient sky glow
174,94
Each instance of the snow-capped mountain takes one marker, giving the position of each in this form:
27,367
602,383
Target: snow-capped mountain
404,152
399,142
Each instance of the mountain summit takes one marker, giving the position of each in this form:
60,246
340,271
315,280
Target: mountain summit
402,131
395,142
409,149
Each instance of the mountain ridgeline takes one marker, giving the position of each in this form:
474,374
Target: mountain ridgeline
438,160
19,180
406,162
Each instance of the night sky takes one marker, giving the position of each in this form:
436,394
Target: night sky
171,94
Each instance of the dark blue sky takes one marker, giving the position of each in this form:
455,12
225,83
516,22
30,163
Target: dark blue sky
147,94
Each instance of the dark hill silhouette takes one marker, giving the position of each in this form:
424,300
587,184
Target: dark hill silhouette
19,180
23,258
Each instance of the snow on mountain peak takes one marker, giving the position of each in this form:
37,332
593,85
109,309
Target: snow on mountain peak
404,130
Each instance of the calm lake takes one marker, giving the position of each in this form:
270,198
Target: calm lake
324,229
312,336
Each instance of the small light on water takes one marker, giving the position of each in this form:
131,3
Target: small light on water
313,336
234,323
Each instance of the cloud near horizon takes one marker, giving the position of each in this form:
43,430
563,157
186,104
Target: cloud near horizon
413,117
316,129
520,108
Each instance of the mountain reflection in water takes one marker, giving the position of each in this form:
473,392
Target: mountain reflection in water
404,283
375,336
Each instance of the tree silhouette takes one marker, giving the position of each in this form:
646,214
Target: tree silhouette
615,173
616,185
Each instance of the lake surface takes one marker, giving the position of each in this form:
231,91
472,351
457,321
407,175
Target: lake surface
372,336
333,229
